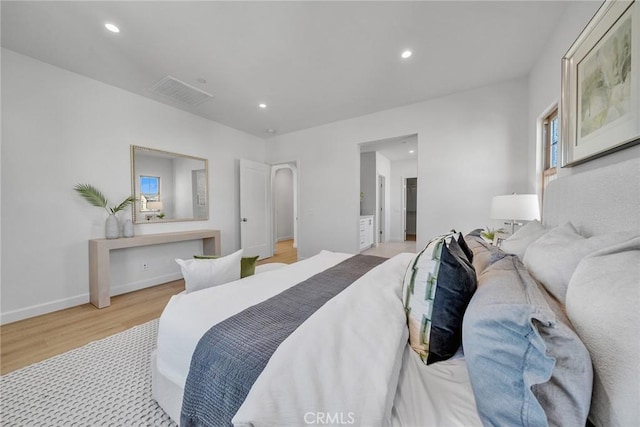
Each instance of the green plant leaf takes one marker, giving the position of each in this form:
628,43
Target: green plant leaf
126,202
92,195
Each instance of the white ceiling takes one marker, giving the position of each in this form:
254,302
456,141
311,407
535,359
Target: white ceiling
311,62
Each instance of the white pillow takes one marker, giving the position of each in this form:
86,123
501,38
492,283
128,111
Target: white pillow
204,273
602,303
553,258
519,241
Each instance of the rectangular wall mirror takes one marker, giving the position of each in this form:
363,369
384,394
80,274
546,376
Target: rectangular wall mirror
168,187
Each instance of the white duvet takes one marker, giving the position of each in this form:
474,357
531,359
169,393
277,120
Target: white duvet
341,365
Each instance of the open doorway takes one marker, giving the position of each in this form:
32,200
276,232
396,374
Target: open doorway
410,208
284,179
384,164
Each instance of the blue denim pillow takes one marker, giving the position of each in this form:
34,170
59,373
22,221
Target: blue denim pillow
526,364
505,358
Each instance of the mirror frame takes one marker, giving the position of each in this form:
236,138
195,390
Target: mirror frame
134,206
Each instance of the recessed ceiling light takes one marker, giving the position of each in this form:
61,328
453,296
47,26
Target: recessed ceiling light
411,151
262,105
270,130
406,54
112,28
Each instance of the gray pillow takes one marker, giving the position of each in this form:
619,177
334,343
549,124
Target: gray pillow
553,258
602,302
526,364
484,254
519,241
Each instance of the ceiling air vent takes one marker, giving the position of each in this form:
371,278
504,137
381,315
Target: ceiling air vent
174,89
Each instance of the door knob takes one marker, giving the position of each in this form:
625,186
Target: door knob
243,219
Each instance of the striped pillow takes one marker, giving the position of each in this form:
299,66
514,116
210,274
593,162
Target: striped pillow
438,286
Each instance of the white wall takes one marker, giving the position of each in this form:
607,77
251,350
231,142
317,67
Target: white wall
544,89
400,170
283,203
471,146
186,188
368,183
372,166
59,129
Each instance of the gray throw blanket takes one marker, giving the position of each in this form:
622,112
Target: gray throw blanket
232,354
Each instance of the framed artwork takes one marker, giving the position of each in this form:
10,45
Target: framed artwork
600,103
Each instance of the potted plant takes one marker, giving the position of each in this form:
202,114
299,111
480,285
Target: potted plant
95,197
490,234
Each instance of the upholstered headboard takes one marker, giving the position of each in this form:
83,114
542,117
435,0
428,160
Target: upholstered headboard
597,201
604,292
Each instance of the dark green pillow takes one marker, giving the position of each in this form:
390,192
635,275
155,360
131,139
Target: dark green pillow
247,264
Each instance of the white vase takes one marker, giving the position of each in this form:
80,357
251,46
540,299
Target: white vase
111,227
127,229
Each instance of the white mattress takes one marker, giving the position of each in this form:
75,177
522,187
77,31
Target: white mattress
435,395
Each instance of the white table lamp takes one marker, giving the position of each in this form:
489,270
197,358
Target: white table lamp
513,207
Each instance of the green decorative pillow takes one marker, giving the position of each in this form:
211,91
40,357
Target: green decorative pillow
437,287
247,264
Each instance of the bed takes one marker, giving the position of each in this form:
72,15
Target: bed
354,361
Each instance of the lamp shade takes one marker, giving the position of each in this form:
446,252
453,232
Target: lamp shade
523,207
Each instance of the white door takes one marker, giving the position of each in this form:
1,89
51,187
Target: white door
255,212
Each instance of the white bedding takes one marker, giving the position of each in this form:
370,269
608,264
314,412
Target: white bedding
343,362
187,317
438,395
307,380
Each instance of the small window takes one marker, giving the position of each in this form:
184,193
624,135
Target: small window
550,137
149,193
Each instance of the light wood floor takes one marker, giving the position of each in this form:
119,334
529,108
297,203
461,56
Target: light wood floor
285,252
33,340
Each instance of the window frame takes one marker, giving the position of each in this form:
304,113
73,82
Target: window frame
549,171
149,197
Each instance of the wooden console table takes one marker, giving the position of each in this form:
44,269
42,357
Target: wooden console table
99,254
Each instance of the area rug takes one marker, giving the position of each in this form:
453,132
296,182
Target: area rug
104,383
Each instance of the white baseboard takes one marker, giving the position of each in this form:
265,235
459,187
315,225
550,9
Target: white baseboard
282,239
61,304
44,308
146,283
